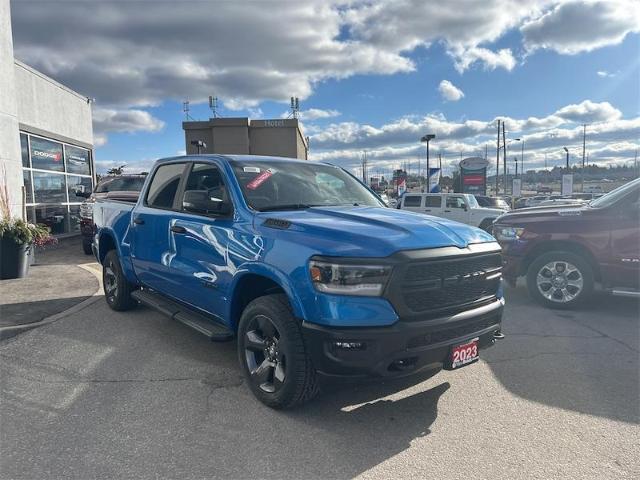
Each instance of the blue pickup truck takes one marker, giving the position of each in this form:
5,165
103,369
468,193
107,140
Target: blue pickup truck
305,267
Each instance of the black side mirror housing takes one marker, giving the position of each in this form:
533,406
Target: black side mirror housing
206,203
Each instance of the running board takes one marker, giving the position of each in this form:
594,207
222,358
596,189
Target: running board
216,331
621,292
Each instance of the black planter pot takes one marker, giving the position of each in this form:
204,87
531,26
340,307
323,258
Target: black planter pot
14,259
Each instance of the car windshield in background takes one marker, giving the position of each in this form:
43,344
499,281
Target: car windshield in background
615,195
120,184
292,186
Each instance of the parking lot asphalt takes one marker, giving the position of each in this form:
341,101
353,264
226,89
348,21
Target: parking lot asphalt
101,394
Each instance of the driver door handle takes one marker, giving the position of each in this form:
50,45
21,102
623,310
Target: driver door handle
447,211
138,221
178,229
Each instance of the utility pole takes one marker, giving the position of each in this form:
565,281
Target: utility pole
504,158
498,158
584,148
427,138
522,159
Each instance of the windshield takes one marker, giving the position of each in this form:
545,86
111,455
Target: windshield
120,184
615,195
290,186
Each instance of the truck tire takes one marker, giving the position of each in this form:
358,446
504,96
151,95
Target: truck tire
86,247
273,355
560,279
487,224
117,289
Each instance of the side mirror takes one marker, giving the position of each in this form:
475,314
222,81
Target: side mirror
464,207
205,202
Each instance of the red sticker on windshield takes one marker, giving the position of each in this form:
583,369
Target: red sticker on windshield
259,180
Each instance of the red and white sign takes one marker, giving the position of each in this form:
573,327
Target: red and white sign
464,354
259,180
473,179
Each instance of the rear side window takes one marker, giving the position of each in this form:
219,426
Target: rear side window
455,202
163,187
433,201
413,200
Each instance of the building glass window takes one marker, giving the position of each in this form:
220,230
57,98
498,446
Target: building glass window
56,217
46,155
27,185
74,218
77,184
49,188
24,147
77,160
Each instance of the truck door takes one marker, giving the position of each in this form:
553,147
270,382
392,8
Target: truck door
456,208
152,251
623,270
205,245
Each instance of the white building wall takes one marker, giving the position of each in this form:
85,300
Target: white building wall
10,159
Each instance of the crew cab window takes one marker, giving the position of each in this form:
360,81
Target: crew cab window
413,200
164,185
433,201
455,202
207,178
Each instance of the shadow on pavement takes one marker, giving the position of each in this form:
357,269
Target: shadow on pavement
585,360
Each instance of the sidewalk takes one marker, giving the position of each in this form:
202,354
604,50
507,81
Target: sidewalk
61,278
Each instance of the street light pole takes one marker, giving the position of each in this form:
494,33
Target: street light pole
567,151
427,138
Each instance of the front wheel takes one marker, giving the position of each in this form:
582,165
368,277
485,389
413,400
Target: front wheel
117,289
560,279
272,354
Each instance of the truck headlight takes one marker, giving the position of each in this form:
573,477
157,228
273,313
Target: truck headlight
345,279
507,234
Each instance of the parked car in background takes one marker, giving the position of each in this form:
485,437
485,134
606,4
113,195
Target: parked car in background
560,201
492,202
118,187
562,251
592,189
304,267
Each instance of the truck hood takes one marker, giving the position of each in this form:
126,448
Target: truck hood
369,231
538,213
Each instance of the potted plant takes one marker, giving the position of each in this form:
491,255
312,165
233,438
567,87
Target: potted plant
17,240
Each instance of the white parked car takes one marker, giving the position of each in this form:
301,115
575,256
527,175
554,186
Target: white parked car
461,207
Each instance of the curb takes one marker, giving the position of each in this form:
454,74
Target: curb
13,330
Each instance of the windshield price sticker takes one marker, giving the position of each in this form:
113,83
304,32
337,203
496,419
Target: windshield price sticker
260,179
251,170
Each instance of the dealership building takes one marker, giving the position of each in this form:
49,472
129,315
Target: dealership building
46,141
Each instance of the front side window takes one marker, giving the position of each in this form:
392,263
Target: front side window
412,200
205,182
46,155
163,187
283,185
455,202
433,201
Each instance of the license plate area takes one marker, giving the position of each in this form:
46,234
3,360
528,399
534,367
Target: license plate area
463,354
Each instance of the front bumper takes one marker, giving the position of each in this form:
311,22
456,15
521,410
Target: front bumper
400,349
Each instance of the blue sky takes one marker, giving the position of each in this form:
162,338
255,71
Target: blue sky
370,75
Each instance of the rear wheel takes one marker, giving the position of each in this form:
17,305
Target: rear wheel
86,247
560,279
117,289
272,354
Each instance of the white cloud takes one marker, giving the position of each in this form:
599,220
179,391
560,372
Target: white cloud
581,26
449,91
606,74
109,120
398,141
464,58
317,113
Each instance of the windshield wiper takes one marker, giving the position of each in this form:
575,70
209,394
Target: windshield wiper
290,206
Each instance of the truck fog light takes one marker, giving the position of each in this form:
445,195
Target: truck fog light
350,345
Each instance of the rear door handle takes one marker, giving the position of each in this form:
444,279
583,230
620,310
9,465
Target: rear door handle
178,229
448,211
138,221
427,209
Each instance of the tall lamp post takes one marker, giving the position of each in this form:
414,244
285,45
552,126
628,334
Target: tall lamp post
427,138
505,162
567,152
199,144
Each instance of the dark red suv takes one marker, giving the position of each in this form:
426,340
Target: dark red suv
563,251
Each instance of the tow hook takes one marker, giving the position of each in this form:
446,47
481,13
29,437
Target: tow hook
498,335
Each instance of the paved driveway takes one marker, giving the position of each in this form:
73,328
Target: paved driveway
103,394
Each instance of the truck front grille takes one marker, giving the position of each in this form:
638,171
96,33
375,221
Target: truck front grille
450,284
